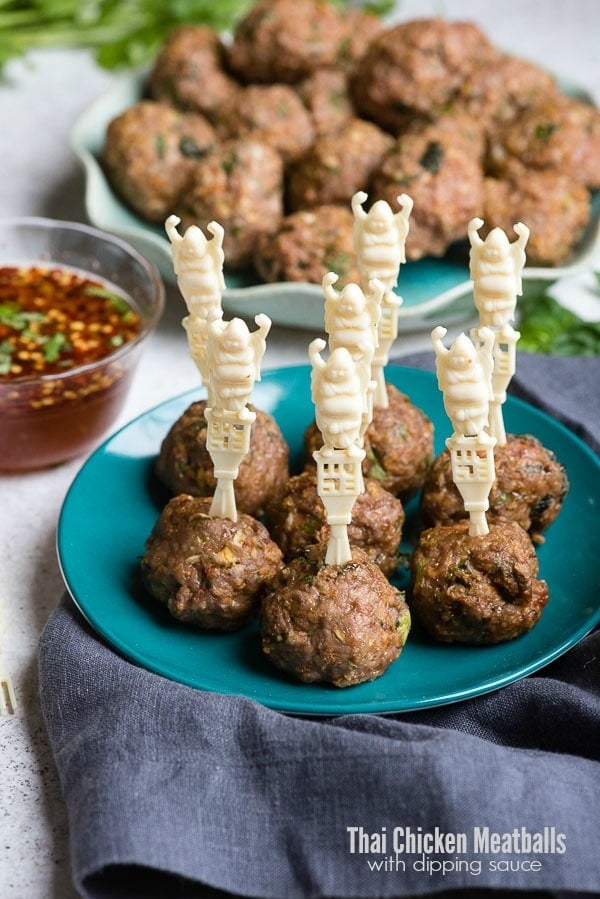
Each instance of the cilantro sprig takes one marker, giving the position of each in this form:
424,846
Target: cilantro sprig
121,32
548,327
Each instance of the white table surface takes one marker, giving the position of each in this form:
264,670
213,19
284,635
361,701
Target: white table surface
39,102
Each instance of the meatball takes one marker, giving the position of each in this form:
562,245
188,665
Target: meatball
398,444
189,71
307,245
297,519
479,590
530,487
554,207
559,134
416,68
285,40
440,167
497,94
239,185
150,153
210,572
184,464
341,624
272,113
326,97
337,165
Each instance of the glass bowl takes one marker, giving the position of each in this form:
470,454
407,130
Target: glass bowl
48,418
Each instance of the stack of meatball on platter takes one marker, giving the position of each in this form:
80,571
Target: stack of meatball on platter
314,555
271,131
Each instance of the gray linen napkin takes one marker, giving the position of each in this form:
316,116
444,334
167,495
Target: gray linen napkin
171,790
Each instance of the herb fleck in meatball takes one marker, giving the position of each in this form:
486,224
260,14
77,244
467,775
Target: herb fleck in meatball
554,207
398,444
273,113
440,167
239,185
184,464
285,40
189,71
150,153
559,134
210,572
416,69
308,244
479,590
325,95
297,519
338,624
497,94
530,487
337,165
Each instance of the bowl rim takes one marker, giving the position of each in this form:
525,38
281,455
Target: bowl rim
148,325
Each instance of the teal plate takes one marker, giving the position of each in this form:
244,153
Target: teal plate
114,502
427,286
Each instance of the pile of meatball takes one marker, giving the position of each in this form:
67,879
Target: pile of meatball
345,624
273,131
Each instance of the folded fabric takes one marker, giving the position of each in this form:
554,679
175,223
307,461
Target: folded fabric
171,790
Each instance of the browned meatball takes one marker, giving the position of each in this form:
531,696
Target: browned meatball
496,94
210,572
530,487
326,97
398,443
337,165
184,464
341,624
479,590
307,245
416,68
297,519
440,167
189,73
239,185
150,153
559,134
554,207
285,40
272,113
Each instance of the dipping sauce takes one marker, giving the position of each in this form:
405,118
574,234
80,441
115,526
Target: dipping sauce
53,319
64,370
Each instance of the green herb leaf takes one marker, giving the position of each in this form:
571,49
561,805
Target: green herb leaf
12,316
121,32
54,345
548,327
6,350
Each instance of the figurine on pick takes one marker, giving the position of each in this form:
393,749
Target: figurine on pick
474,581
208,564
530,484
463,374
379,242
495,268
234,356
198,264
351,320
338,389
332,614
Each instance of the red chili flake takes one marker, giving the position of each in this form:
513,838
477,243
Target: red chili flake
53,320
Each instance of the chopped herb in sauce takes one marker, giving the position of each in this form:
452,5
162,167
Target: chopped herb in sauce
52,319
